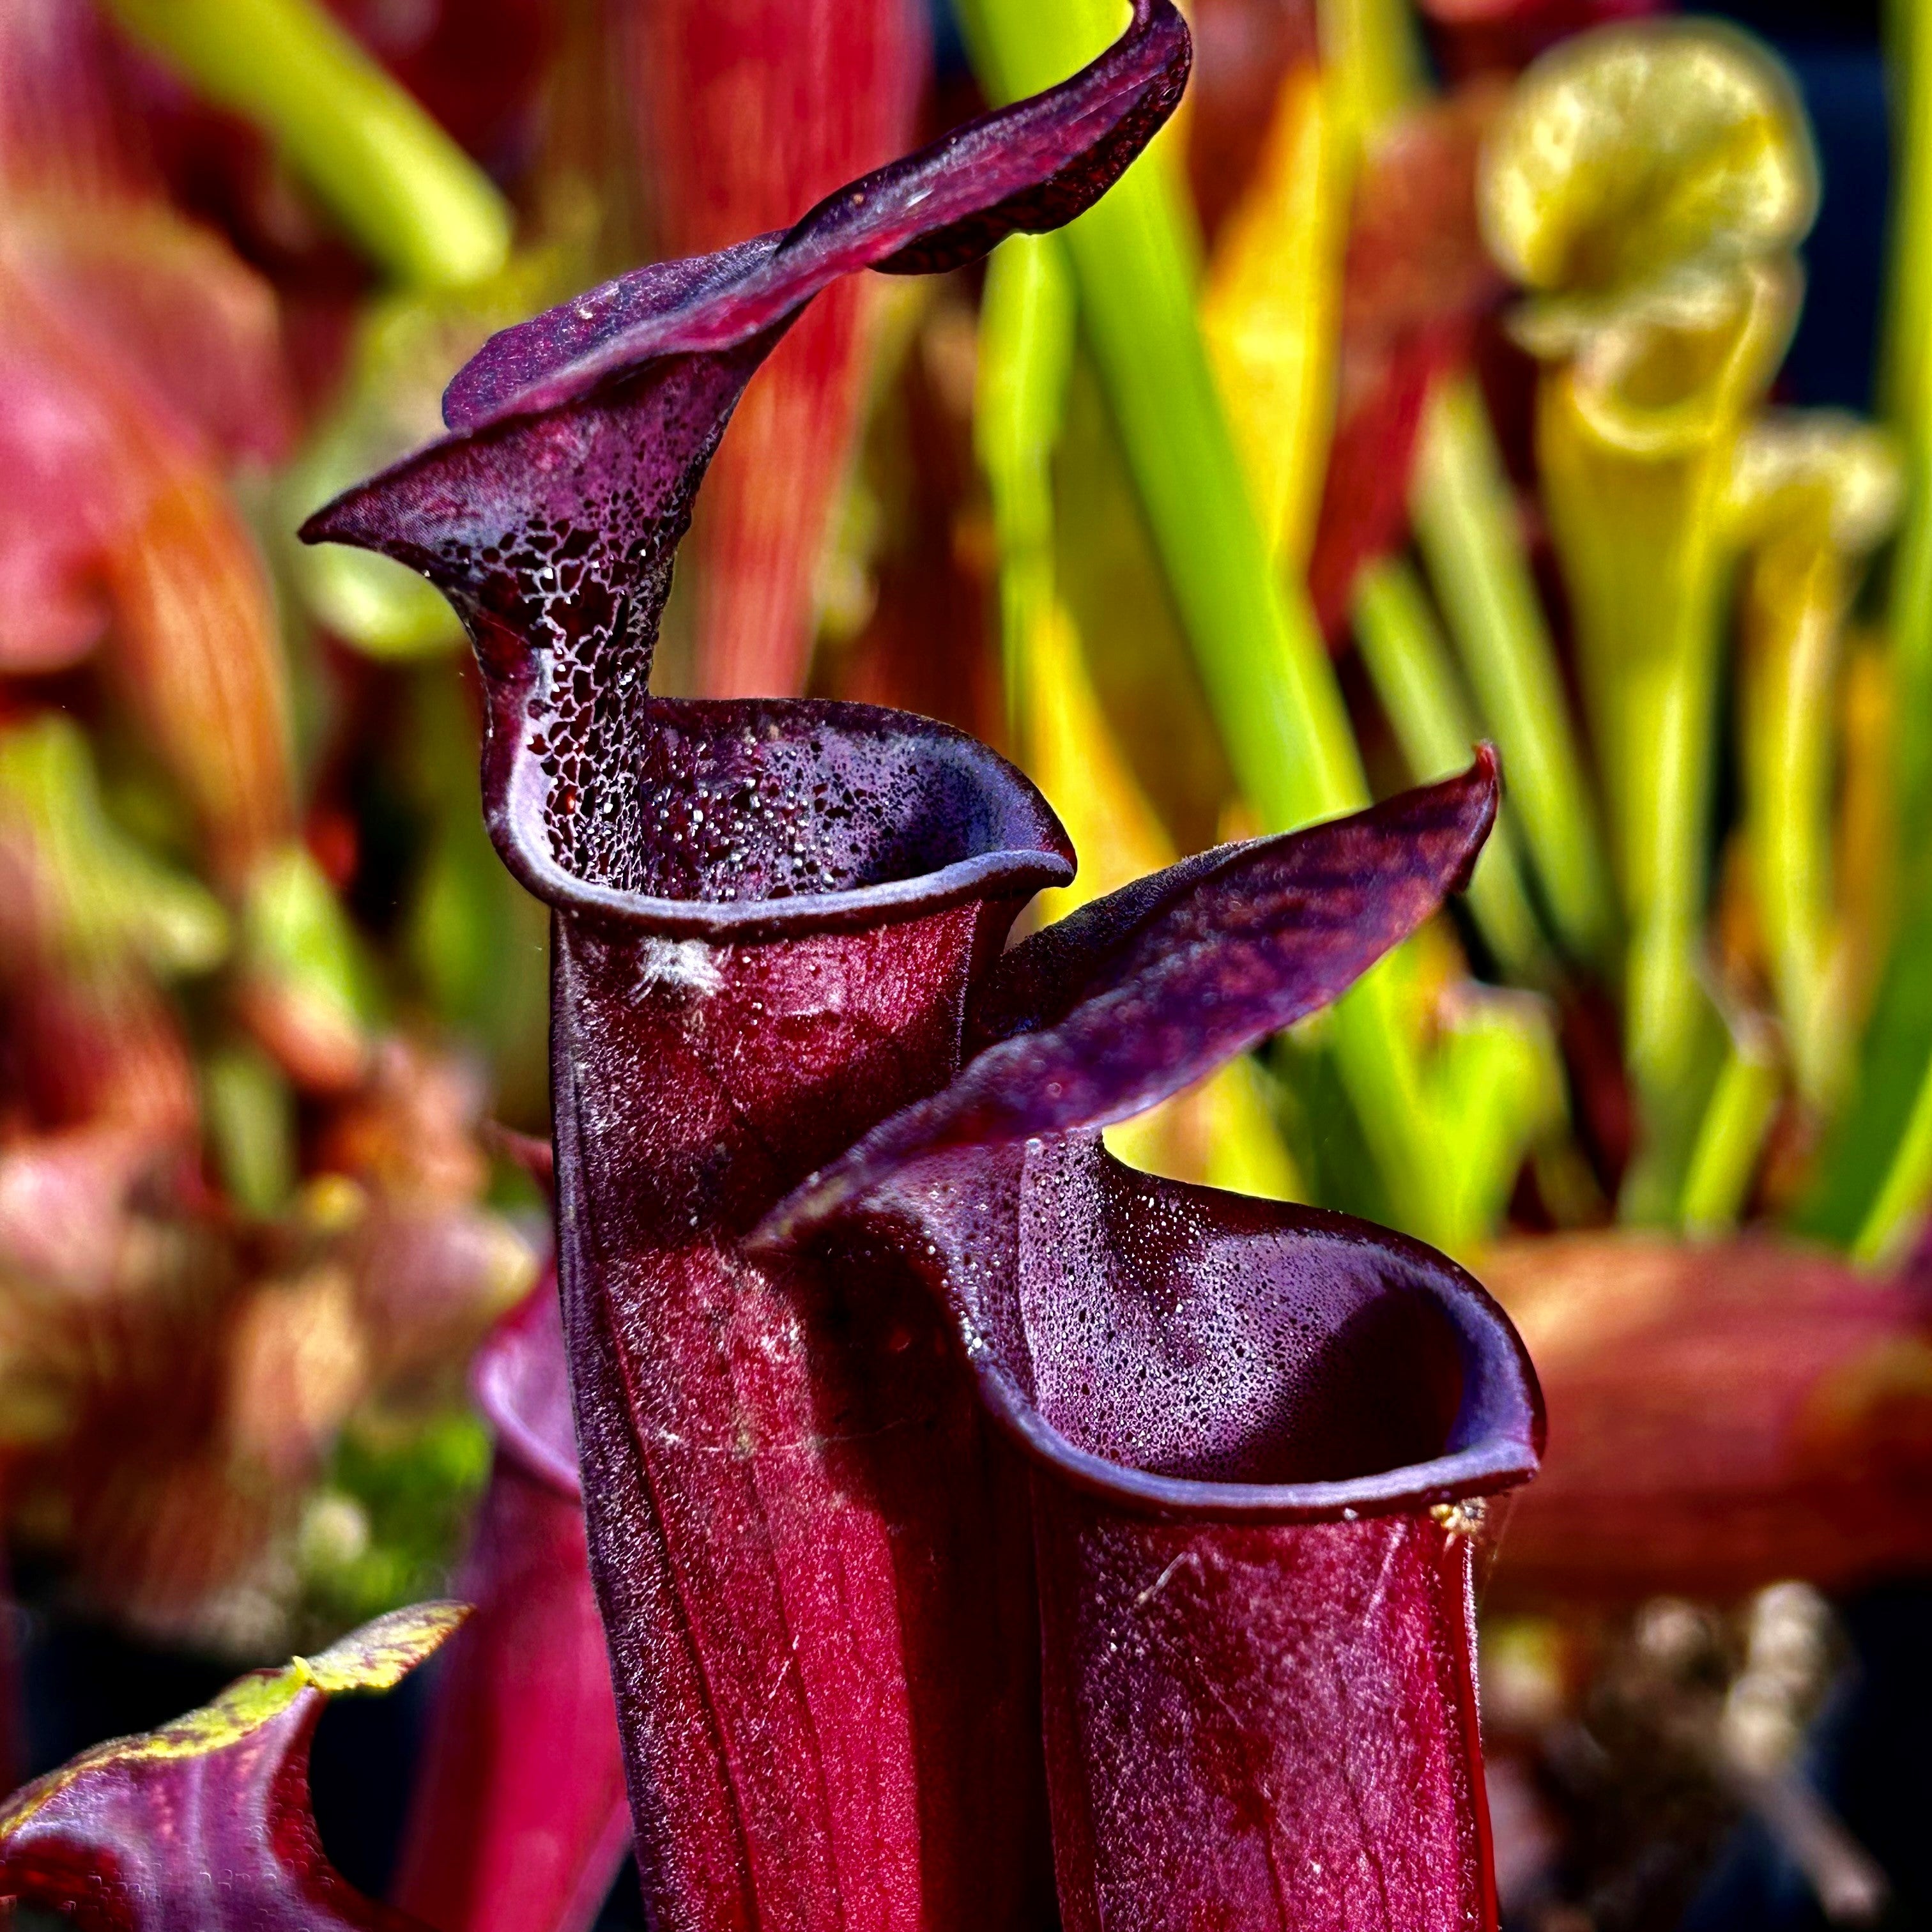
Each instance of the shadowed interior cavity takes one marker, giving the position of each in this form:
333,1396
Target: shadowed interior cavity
1194,1334
751,800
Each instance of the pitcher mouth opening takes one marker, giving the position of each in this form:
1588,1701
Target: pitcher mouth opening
1243,1360
757,819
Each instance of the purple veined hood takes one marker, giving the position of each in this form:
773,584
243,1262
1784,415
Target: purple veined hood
550,514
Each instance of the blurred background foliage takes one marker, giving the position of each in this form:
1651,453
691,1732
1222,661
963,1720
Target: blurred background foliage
1552,371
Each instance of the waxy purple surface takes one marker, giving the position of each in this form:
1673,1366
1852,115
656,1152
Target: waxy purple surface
520,1821
779,925
1189,1354
1274,1729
